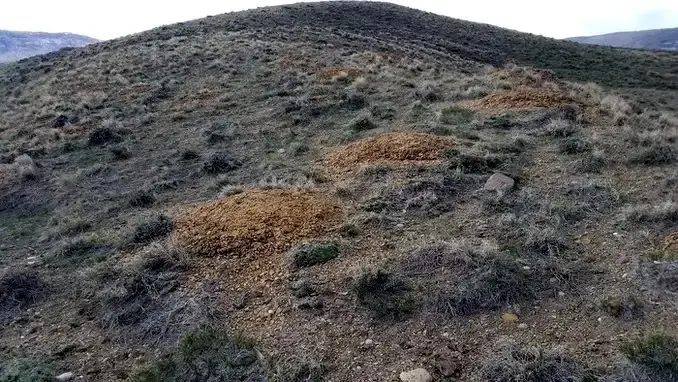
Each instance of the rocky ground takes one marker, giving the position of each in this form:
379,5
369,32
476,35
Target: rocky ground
321,201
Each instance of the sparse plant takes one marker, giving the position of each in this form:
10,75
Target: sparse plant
20,288
655,155
652,213
310,254
147,231
102,135
516,363
120,152
574,145
384,293
561,128
142,198
455,115
657,352
221,162
627,308
362,123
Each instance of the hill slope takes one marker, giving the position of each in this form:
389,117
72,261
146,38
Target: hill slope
337,191
656,39
17,45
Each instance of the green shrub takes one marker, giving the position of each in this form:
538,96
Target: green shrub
658,352
627,308
102,135
310,254
574,145
384,294
150,230
655,155
142,198
455,115
20,288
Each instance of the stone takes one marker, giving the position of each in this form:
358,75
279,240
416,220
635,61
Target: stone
65,376
416,375
449,363
309,303
500,183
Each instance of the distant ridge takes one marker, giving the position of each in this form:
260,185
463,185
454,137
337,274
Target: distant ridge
655,39
17,45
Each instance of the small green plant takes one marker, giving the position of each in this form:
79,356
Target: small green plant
221,162
658,352
310,254
574,145
20,288
102,135
142,198
456,115
362,123
656,155
627,308
385,294
155,228
120,153
26,370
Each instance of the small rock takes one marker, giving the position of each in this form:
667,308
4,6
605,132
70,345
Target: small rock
309,303
561,294
65,376
500,183
416,375
281,151
522,326
509,317
368,342
400,225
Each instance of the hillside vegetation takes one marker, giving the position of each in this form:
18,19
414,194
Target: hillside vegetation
340,191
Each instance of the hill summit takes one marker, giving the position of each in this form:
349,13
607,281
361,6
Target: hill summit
656,39
339,191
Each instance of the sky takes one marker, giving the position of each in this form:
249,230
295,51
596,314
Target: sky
111,19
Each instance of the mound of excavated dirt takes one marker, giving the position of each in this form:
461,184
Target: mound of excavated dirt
519,99
326,74
261,222
671,243
389,148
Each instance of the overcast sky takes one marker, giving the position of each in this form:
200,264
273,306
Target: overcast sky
110,19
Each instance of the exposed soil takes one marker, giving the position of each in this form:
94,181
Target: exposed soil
521,99
261,222
389,148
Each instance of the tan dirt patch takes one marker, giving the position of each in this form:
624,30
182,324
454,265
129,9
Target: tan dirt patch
261,222
521,99
389,148
671,243
326,74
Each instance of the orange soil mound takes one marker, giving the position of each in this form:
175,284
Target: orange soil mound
390,147
519,99
671,243
260,222
327,74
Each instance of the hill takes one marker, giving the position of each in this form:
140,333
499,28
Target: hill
656,39
17,45
338,191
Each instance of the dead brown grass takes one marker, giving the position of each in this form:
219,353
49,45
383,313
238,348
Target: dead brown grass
389,148
256,222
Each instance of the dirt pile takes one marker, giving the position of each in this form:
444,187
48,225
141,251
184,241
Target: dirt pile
389,148
671,243
326,74
261,222
519,99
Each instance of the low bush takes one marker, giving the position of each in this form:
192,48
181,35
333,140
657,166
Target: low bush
20,288
221,162
155,228
385,294
657,352
310,254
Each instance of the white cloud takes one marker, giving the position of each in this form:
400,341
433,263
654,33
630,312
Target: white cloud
555,19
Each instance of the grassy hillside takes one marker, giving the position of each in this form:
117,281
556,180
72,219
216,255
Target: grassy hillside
338,192
656,39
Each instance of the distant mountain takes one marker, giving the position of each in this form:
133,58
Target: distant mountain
656,39
18,45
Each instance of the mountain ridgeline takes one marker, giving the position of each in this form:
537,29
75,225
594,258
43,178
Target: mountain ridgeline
655,39
17,45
